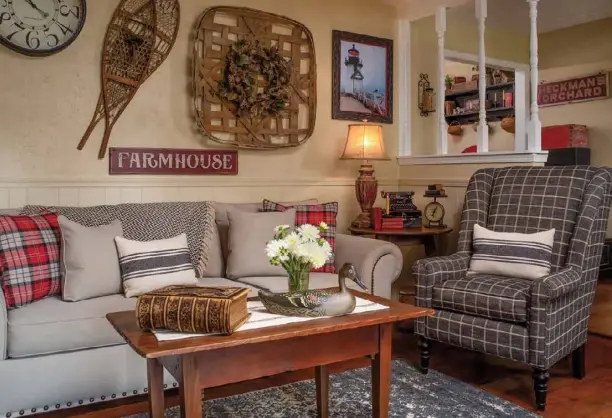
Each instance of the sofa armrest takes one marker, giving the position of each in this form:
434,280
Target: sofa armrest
556,284
430,272
378,263
3,326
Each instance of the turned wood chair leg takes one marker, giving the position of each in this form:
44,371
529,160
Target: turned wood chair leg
579,362
425,350
540,385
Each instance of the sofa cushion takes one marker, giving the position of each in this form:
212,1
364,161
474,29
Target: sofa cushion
54,326
279,284
485,295
248,235
313,214
29,258
89,261
151,265
222,221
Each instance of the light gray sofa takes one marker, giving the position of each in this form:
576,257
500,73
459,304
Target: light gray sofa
56,354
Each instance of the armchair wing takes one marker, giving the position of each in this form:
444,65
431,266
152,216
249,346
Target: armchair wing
560,302
378,263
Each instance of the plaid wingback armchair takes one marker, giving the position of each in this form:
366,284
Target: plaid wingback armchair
537,322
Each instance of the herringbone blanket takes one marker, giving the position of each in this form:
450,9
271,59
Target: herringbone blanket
148,222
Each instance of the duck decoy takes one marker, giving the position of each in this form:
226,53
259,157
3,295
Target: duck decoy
316,302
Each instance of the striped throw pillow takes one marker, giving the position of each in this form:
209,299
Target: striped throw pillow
151,265
525,256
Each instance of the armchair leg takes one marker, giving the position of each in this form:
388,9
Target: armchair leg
425,350
579,362
540,385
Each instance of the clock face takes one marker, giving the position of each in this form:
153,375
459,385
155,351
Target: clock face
434,212
40,27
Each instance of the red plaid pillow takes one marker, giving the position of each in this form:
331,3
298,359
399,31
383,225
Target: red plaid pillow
314,215
29,258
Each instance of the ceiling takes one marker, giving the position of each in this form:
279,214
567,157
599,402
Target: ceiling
514,14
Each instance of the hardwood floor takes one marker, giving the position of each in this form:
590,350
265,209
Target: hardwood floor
601,314
567,397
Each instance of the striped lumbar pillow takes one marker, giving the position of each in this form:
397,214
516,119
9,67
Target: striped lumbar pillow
151,265
525,256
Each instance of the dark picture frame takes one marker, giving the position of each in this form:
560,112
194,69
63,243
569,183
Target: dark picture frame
362,77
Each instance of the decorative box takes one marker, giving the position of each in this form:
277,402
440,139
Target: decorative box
564,136
193,309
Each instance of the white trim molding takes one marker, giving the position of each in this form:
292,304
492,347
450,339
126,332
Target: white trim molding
181,182
476,158
405,78
442,142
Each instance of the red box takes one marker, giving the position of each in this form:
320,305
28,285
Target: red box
564,136
377,218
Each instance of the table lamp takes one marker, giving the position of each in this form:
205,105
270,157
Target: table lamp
365,142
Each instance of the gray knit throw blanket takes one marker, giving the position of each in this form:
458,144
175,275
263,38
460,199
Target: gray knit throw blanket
148,222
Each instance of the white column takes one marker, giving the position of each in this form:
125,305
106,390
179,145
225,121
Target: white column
441,86
521,110
534,141
404,145
483,130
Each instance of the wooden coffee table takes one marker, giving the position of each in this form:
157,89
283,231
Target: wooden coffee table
210,361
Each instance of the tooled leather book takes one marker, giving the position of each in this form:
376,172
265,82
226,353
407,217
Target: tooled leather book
193,309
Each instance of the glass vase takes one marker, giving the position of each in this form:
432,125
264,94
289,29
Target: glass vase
299,280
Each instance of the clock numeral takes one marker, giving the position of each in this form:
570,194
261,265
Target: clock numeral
53,36
32,41
66,11
6,16
21,28
4,3
64,29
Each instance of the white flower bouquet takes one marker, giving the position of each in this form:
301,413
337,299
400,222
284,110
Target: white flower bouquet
297,251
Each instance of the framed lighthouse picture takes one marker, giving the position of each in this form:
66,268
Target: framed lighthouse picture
362,72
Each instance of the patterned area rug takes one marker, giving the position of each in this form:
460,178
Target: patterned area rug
413,395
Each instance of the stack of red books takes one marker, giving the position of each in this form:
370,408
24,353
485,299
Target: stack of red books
393,223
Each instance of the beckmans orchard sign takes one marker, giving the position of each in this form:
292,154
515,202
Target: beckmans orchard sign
172,161
572,90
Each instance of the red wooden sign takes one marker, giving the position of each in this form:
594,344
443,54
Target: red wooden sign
172,161
573,90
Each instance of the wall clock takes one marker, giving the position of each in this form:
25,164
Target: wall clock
40,27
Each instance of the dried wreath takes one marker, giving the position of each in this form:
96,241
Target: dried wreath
245,63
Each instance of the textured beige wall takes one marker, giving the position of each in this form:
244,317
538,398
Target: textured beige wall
48,102
586,49
589,43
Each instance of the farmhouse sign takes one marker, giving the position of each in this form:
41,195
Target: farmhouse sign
572,90
172,161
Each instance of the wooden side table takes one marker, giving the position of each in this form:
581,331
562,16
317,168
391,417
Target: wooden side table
406,237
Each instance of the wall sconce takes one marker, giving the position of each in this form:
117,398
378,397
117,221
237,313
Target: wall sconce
425,95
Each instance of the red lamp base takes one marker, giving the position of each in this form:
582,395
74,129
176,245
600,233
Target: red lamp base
366,190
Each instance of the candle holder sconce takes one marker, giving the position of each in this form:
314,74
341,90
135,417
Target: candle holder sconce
425,95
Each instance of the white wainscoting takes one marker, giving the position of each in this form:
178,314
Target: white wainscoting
17,193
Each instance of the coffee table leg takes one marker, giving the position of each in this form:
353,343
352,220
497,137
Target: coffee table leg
190,391
322,381
155,376
381,373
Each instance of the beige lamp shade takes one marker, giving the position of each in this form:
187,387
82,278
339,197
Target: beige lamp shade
364,142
